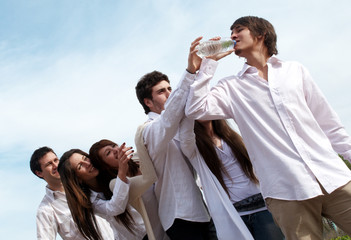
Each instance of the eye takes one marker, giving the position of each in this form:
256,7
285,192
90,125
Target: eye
79,166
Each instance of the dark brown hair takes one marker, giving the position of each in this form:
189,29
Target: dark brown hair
144,87
207,149
78,198
107,173
36,156
260,27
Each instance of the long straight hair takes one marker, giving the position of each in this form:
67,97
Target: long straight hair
208,152
78,197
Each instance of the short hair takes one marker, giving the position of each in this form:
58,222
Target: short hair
260,27
36,156
144,87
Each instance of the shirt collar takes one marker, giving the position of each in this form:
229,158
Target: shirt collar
153,115
53,195
250,69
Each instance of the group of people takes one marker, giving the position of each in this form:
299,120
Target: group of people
274,181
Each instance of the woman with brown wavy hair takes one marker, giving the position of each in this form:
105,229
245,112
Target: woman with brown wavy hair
86,196
104,154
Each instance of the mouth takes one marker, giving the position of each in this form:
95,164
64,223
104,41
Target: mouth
91,169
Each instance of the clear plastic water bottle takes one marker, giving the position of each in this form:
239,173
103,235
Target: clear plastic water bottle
212,47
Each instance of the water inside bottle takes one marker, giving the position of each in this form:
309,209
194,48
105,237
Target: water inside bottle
212,47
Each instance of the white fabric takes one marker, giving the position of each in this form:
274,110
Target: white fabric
238,184
228,222
141,194
54,216
151,206
116,205
176,191
153,223
289,129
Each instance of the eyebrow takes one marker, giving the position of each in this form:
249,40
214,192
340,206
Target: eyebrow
161,89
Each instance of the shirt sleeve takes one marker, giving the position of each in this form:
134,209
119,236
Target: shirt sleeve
46,225
187,138
118,202
326,117
205,103
161,131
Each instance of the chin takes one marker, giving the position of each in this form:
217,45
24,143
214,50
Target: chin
238,52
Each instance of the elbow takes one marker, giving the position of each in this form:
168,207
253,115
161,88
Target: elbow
190,113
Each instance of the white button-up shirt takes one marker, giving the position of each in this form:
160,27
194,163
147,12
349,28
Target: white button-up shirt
54,216
289,129
176,191
115,206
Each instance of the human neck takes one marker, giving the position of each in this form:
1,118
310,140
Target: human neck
56,186
93,185
211,133
259,61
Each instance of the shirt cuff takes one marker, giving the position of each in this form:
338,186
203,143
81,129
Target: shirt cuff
186,80
208,66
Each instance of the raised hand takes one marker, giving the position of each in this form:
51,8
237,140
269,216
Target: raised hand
124,155
194,61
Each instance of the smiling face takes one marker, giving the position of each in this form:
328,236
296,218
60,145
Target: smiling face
109,154
83,168
48,164
160,94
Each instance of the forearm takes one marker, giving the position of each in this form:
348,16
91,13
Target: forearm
187,137
327,118
118,202
162,130
203,103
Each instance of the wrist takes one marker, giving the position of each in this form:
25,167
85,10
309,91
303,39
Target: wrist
190,71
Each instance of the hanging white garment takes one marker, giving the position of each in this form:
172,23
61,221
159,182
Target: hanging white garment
228,222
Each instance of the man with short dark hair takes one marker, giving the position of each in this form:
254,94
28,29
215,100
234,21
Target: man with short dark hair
181,208
53,214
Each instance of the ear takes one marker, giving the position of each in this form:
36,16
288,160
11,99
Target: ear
148,102
39,173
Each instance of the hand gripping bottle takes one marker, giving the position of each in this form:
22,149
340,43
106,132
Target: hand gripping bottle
212,47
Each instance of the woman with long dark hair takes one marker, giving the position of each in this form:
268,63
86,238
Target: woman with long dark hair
104,154
86,195
224,153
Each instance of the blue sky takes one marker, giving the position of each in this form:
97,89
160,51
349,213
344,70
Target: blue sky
68,70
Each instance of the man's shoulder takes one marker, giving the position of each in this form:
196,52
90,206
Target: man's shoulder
45,207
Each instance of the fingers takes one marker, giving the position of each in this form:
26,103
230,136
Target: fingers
220,55
195,43
215,38
125,153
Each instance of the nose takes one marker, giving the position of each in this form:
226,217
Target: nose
168,92
55,164
115,151
234,36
